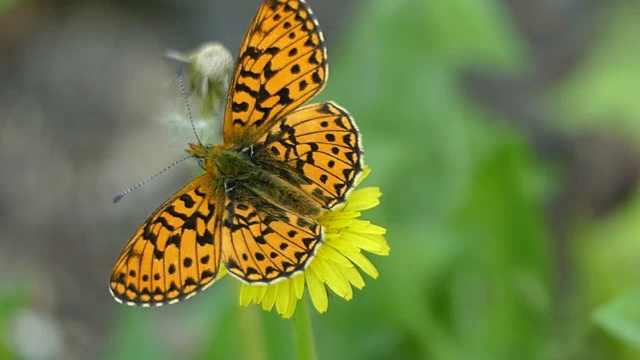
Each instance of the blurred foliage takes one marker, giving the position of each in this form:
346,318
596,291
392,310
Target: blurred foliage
469,272
11,302
608,254
621,317
602,94
7,5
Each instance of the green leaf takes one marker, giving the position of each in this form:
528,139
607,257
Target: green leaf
621,318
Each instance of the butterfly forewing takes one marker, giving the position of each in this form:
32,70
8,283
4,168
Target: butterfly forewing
176,252
262,242
282,64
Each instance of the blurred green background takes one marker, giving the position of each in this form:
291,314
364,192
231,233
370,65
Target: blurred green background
503,135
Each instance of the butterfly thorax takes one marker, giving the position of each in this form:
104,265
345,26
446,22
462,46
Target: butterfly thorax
244,177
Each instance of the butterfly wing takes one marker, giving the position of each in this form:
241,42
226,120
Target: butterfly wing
321,149
282,64
176,252
262,242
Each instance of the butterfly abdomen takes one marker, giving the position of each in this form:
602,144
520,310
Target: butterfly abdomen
235,167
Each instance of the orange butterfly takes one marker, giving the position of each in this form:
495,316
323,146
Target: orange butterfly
279,167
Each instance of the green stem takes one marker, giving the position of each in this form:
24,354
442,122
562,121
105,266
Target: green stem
305,343
253,329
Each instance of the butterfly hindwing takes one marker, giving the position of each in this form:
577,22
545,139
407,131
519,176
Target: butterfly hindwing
319,143
282,64
176,252
262,242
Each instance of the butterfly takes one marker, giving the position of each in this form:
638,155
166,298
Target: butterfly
281,165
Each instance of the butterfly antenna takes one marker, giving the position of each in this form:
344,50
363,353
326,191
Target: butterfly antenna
119,197
186,101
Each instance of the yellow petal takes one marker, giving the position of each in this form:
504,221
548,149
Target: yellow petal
352,274
317,291
367,227
258,293
269,298
362,241
246,294
298,285
338,283
339,215
328,252
363,199
282,296
343,245
335,225
291,306
363,263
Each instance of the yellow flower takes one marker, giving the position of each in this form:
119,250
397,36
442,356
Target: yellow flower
336,265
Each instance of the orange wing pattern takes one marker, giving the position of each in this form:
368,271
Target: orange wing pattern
321,143
263,243
218,218
175,253
282,64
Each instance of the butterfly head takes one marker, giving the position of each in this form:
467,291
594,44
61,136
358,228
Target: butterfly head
204,153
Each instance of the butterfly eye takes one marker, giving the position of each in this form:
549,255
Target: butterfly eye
201,162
